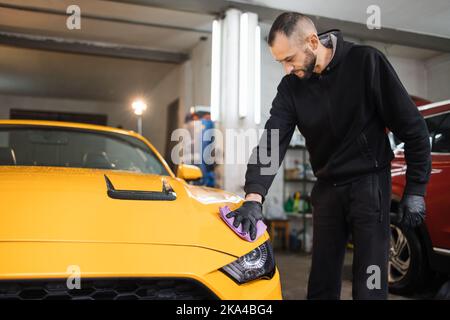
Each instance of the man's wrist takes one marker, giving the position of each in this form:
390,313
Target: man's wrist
253,197
413,188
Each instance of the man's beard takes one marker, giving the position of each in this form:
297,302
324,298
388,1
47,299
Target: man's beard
310,63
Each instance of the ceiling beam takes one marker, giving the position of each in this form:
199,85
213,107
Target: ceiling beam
94,48
266,14
59,12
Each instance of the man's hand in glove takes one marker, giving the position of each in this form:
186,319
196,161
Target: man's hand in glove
411,211
248,214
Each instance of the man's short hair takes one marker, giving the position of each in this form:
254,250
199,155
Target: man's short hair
286,23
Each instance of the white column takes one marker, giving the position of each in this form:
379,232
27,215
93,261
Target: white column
247,65
227,114
233,93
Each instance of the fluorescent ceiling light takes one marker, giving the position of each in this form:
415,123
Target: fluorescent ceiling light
243,65
215,69
257,106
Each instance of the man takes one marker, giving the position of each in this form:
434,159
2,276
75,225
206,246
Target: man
342,97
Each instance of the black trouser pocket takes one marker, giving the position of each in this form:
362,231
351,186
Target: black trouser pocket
380,200
367,197
378,194
382,190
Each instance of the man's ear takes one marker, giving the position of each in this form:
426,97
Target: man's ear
313,41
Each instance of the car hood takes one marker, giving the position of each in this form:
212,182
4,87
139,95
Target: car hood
72,205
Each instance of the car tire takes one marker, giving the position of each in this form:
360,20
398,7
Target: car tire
408,265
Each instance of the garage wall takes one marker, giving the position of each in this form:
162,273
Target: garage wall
113,110
201,73
189,82
155,117
154,122
412,73
195,75
438,78
118,113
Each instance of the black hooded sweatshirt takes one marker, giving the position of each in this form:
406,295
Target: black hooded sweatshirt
343,114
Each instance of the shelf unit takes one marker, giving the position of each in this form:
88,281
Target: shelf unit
299,153
304,185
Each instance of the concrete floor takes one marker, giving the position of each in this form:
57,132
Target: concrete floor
294,271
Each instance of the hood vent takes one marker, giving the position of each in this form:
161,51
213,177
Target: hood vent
167,193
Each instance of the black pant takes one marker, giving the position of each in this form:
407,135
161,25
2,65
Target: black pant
360,208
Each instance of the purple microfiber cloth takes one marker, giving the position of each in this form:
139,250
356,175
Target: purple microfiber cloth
260,225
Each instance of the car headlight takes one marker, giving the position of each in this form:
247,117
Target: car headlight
257,264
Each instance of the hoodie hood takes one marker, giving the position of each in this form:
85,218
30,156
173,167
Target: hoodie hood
342,47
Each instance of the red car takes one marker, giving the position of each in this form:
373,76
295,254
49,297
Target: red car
416,254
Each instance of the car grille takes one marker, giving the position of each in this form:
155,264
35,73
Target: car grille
106,289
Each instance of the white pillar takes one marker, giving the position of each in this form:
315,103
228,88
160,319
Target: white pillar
235,101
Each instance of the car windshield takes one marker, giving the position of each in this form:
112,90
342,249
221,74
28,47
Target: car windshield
75,148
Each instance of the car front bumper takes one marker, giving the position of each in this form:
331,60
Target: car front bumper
58,259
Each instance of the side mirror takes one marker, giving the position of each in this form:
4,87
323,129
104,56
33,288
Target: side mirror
189,172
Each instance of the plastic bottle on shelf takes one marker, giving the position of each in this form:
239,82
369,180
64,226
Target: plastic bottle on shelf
301,171
307,204
296,206
309,174
289,204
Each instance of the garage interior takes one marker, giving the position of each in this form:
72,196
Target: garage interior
161,51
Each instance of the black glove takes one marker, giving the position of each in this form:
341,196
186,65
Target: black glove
411,211
248,214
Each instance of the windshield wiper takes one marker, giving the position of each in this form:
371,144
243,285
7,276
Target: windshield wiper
167,193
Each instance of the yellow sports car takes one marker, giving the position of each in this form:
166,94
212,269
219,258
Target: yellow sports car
93,212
